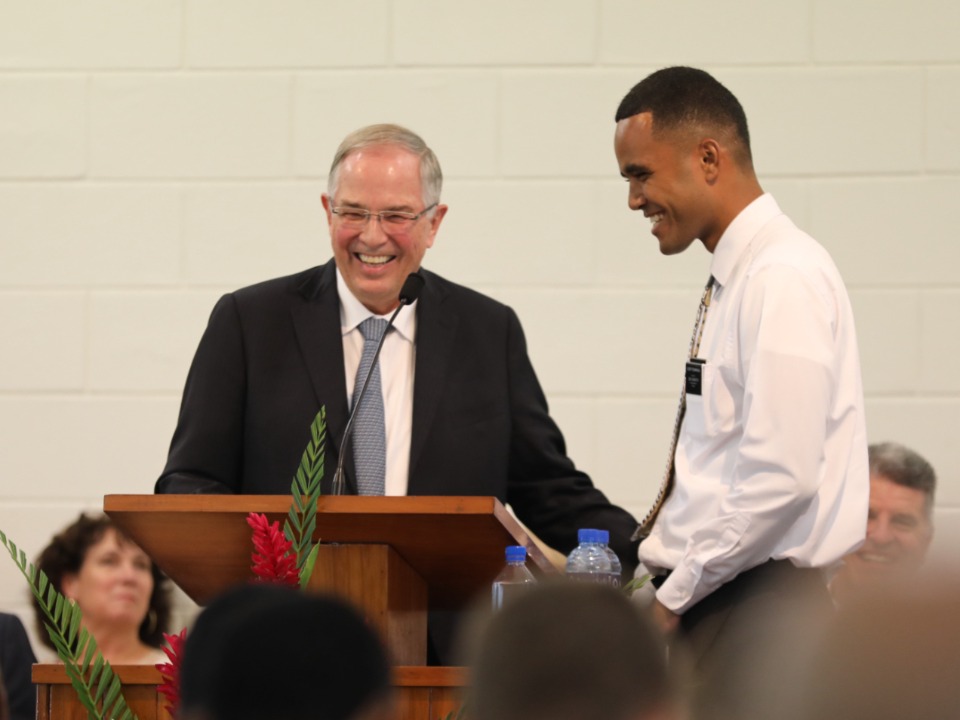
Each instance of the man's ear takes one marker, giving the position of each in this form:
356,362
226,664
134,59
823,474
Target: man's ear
438,214
327,206
709,156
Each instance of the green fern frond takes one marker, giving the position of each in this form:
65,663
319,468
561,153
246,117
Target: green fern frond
635,584
458,714
76,648
301,521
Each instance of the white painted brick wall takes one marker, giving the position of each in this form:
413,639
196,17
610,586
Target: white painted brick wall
42,126
138,341
234,34
891,231
43,348
239,234
558,122
939,342
694,32
448,106
889,319
832,120
495,32
190,125
80,34
942,141
885,31
158,153
85,235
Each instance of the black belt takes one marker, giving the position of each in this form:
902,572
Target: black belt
762,568
658,580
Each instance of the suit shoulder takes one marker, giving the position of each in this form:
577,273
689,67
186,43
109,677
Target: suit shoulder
463,296
304,282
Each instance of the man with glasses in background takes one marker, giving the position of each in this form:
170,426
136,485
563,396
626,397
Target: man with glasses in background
462,408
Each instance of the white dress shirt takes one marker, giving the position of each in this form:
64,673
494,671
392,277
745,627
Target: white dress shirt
396,378
771,460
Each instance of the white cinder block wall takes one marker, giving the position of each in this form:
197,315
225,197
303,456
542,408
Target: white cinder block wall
155,154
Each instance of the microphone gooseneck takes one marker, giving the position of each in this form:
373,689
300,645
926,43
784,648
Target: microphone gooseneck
412,287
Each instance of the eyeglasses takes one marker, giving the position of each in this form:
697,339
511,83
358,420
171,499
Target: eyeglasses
395,220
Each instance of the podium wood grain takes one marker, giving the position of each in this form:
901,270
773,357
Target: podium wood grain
422,693
203,542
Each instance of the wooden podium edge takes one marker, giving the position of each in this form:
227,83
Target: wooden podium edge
403,675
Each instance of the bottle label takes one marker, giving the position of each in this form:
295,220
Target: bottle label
599,578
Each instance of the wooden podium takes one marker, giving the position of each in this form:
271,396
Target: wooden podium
395,558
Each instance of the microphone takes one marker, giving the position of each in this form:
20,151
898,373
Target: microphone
412,287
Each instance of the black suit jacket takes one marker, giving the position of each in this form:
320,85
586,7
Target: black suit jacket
16,659
272,354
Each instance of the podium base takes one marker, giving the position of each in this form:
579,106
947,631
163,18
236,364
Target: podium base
423,693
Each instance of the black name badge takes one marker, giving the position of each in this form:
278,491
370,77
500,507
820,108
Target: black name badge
694,376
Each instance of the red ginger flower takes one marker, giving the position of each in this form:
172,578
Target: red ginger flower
170,672
273,557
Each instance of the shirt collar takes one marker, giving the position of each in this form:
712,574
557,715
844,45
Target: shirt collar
738,235
353,312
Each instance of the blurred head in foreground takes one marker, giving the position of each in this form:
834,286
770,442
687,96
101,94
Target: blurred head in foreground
267,651
891,656
571,651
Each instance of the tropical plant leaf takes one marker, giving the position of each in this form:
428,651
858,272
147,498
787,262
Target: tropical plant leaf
301,521
635,584
90,650
76,648
307,569
457,714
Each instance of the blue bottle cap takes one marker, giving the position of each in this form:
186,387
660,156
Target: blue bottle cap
516,553
604,536
587,535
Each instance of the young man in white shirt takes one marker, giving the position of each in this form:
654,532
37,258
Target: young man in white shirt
769,477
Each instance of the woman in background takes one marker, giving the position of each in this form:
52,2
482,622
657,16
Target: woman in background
121,592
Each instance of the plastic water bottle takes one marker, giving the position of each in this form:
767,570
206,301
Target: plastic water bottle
588,561
514,579
616,567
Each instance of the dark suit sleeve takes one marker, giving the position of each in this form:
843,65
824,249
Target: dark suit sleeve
545,489
206,452
16,657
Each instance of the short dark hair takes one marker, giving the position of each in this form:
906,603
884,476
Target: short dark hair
270,651
681,98
65,555
903,466
570,650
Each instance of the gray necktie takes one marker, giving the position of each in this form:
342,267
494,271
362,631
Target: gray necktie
369,435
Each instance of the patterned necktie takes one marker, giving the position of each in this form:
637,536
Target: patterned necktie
666,485
369,433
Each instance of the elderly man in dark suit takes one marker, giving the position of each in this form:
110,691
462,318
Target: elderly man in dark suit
464,412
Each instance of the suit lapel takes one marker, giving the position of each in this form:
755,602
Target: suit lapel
316,321
436,331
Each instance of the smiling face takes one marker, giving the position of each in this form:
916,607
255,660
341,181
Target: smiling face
373,259
669,175
898,533
114,583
